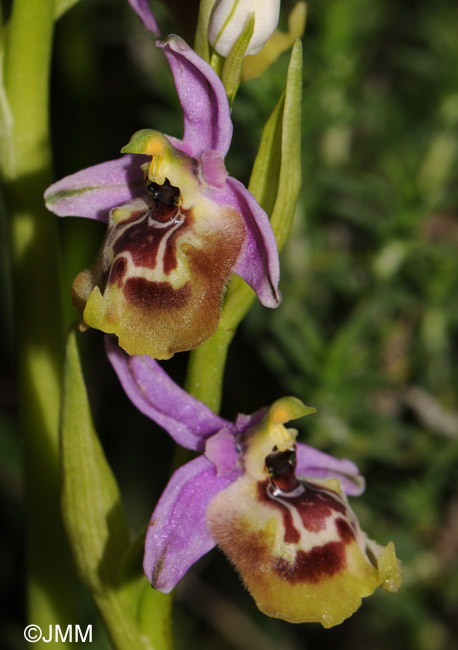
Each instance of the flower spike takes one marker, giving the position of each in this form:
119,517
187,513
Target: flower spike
277,508
178,225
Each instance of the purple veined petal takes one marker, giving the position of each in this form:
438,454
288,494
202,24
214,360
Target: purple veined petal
207,121
311,462
94,191
156,395
178,535
141,8
258,262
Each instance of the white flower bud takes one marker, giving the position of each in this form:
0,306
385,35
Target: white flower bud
229,18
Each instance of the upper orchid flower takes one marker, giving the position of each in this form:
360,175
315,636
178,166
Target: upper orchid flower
178,225
277,508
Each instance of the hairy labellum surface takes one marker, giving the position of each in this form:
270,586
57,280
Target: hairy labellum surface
297,544
161,265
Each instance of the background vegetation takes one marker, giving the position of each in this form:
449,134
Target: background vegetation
367,332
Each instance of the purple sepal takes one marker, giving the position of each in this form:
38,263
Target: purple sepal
178,534
94,191
151,390
141,8
311,462
207,121
258,262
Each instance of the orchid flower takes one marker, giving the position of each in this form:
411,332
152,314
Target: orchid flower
277,508
178,225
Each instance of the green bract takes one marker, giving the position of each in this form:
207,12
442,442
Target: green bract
232,69
95,522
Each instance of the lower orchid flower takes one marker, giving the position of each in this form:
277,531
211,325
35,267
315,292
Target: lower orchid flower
178,225
277,508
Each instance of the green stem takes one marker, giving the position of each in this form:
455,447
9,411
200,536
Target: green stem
38,323
207,362
155,617
206,368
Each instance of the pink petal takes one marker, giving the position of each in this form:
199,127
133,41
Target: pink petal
94,191
258,262
178,535
207,122
311,462
151,390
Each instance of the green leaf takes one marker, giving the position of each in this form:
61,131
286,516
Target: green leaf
232,69
93,514
153,609
91,501
266,169
276,177
7,156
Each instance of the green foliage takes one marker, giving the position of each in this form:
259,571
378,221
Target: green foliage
97,529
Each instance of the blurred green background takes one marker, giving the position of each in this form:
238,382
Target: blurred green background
367,332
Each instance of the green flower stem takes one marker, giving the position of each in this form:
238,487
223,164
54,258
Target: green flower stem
207,362
155,616
206,367
38,324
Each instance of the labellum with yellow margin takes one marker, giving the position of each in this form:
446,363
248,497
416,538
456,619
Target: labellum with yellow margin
277,508
178,225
